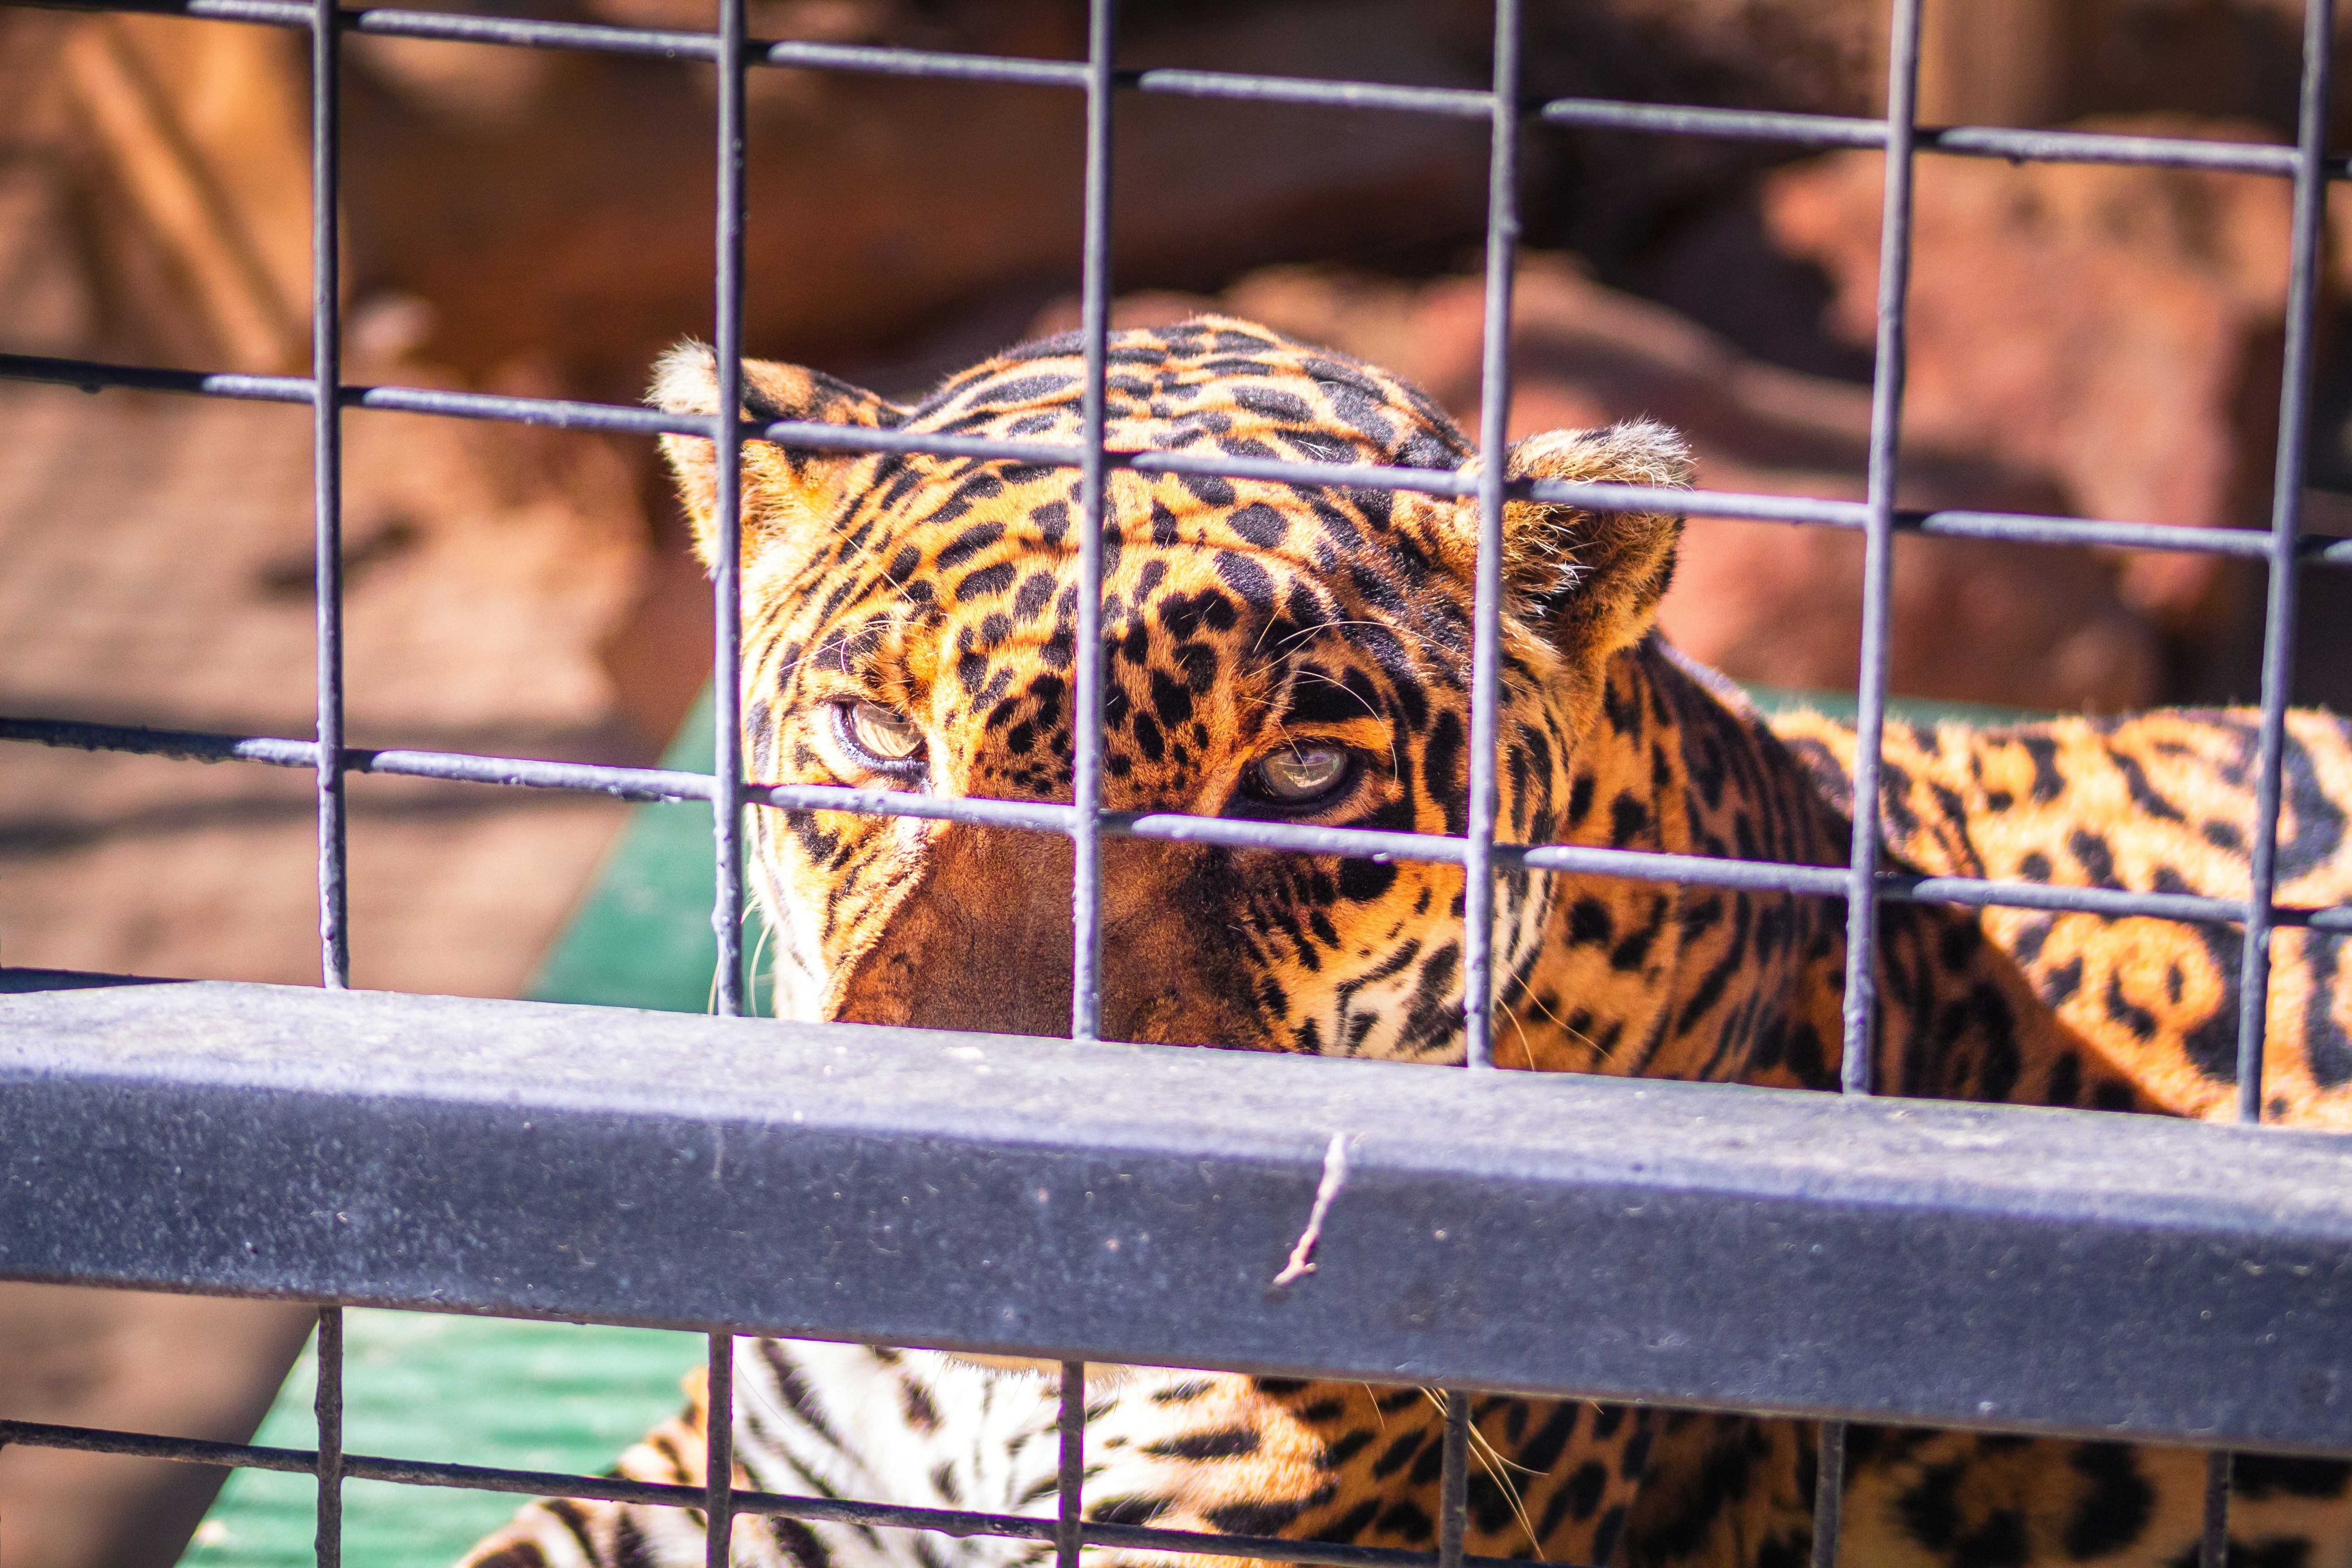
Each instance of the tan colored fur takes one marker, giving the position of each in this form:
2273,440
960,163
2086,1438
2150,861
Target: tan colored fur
1246,619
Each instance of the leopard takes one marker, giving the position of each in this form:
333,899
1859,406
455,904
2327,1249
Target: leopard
1300,651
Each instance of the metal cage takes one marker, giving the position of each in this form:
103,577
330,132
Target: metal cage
237,1081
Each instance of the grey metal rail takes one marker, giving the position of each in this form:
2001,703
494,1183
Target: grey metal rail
1995,1267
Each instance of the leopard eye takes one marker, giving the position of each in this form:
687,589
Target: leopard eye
878,737
1301,775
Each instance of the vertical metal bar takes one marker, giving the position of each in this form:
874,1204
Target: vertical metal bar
2287,525
1486,643
1069,1491
1453,1483
2278,627
727,581
2213,1542
1486,665
1828,1494
327,1406
1856,1073
327,481
1085,718
718,1455
1885,436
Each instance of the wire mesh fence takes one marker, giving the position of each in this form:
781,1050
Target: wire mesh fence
731,55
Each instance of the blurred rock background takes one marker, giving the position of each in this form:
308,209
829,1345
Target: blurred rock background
2086,340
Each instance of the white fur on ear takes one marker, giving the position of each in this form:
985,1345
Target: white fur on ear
1630,452
685,379
1594,579
786,493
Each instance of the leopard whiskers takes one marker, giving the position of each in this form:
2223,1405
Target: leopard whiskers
1497,1464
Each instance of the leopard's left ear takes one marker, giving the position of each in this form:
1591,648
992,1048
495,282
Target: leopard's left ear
1591,579
788,495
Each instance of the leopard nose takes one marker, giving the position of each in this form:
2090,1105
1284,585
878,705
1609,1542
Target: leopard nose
983,943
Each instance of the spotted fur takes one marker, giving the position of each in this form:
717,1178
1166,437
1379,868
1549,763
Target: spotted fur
1247,621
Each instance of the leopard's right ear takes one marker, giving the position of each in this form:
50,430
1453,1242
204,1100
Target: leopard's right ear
786,493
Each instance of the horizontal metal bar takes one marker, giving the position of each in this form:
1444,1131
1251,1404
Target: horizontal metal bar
1689,503
1965,141
881,59
532,1483
517,32
1461,103
187,745
269,13
1698,1244
1904,887
1735,125
1826,881
1046,816
1034,816
461,768
528,33
1644,864
204,746
865,58
1267,1548
538,1483
793,53
91,375
154,1446
1729,125
2102,147
802,434
660,784
2023,528
561,414
1240,833
2115,903
959,1523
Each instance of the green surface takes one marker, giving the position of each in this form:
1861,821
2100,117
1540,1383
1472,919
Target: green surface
489,1391
553,1396
480,1391
1843,706
642,938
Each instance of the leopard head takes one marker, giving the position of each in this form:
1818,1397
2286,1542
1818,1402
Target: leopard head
1284,653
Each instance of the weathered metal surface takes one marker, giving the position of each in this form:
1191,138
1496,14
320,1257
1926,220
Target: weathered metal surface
2002,1266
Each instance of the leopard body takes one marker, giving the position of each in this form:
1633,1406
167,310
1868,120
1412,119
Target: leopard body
1253,633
